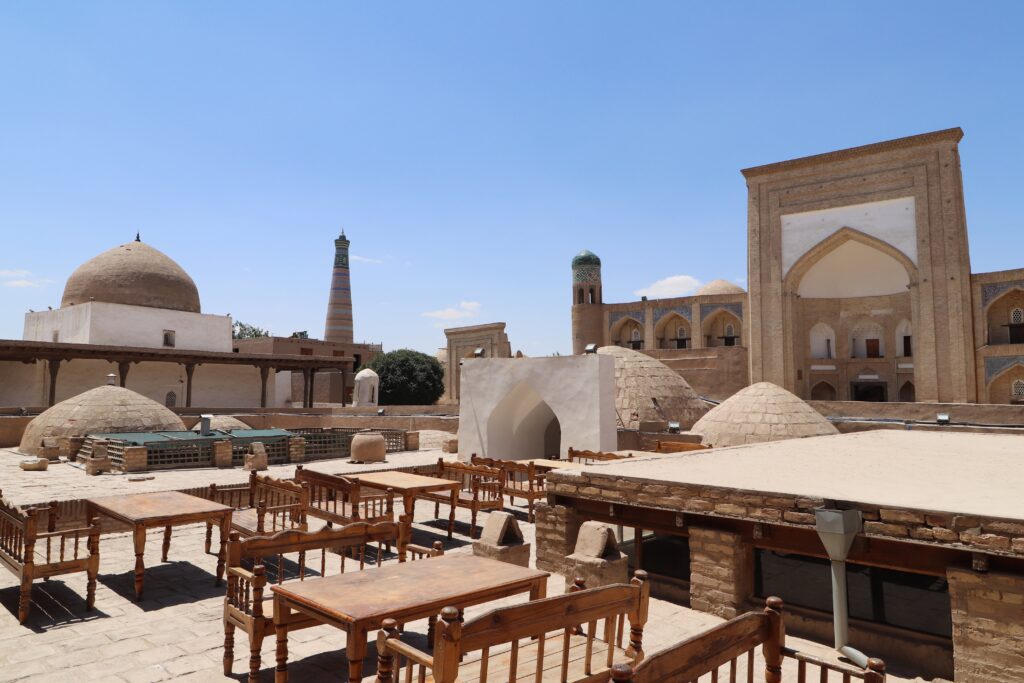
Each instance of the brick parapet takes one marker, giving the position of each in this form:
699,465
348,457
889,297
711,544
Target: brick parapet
721,571
296,449
988,635
963,532
556,529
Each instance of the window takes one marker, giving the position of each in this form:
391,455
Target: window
730,331
635,336
1018,389
872,348
593,299
169,338
884,596
171,399
908,349
680,332
1017,316
579,295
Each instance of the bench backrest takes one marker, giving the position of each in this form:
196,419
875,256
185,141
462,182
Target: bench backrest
341,499
25,540
514,470
17,533
677,447
594,456
484,482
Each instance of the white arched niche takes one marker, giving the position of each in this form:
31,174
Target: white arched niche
854,269
823,341
523,426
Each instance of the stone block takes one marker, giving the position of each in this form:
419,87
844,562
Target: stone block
136,459
296,449
502,540
450,445
222,453
256,458
412,441
94,466
597,558
35,464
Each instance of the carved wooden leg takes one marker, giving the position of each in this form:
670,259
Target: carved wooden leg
225,531
209,536
355,649
451,514
281,613
139,537
255,645
90,585
437,510
167,542
229,647
531,511
472,527
302,564
431,628
24,599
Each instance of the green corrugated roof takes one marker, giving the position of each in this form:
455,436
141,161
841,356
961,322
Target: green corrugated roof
142,438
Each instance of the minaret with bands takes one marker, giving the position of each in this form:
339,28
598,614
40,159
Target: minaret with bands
339,308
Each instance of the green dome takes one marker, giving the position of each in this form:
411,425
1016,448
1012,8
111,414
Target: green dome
586,258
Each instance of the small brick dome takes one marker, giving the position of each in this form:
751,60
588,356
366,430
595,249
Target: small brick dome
761,412
223,423
647,390
720,287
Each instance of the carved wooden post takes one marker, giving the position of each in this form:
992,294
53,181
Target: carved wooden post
312,379
25,596
446,646
622,673
258,583
305,387
875,672
772,647
385,660
54,366
122,371
264,373
639,618
189,369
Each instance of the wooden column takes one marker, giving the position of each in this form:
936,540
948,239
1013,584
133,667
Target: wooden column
312,378
264,373
122,371
342,386
305,387
54,366
189,369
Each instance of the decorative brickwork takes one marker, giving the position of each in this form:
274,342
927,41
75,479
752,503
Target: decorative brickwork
222,453
136,459
721,572
988,638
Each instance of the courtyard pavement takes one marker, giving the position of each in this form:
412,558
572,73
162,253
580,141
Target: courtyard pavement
176,632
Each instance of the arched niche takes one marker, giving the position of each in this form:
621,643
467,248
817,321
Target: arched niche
867,340
851,264
672,331
523,426
823,391
1004,386
908,393
822,340
1004,318
628,332
716,329
904,339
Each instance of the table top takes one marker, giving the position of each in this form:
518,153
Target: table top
555,464
404,482
435,583
160,505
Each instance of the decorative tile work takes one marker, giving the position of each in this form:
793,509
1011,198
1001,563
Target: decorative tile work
684,311
994,366
616,316
735,308
586,274
993,291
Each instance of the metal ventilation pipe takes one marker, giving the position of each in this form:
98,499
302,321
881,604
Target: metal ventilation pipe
111,380
204,425
837,529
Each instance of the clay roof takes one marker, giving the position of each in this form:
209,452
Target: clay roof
224,423
102,410
720,287
647,390
761,412
135,274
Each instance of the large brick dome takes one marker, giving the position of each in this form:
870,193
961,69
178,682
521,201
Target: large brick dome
102,410
720,287
647,390
135,274
761,412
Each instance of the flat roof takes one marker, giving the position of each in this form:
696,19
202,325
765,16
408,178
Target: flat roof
974,474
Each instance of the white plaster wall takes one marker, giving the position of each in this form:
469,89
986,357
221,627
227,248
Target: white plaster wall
852,270
282,382
228,386
121,325
21,384
892,221
507,405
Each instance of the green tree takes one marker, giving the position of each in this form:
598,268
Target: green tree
241,330
408,377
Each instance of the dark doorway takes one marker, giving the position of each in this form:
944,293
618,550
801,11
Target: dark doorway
907,393
875,392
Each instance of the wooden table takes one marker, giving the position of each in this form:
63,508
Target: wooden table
546,465
359,602
163,508
410,485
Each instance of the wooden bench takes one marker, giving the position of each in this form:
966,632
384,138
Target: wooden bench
732,645
520,480
677,447
575,638
480,488
67,551
342,501
263,505
249,606
587,457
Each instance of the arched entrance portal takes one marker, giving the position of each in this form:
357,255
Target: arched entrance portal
523,426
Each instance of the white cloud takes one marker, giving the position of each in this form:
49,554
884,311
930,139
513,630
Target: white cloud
364,259
23,283
465,309
14,273
674,285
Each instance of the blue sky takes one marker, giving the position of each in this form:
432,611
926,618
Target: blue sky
468,149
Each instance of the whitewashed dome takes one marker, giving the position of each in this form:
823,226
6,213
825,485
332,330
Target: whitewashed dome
366,373
647,390
720,287
135,274
103,410
223,423
761,412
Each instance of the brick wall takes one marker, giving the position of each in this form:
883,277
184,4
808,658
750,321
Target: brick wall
988,626
721,572
557,527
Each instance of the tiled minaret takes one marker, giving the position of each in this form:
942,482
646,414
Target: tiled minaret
339,308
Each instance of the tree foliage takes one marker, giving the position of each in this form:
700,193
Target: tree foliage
242,330
408,377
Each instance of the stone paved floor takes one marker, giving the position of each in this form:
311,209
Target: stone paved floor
176,633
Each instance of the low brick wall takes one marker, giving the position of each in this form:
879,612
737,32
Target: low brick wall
987,626
721,572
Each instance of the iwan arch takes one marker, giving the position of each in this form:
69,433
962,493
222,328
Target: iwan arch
860,288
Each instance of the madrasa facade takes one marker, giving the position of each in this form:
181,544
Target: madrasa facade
860,289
